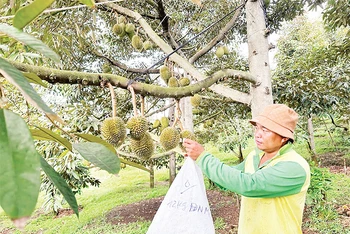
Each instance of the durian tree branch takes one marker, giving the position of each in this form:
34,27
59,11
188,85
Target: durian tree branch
74,77
218,38
182,62
114,100
161,109
123,66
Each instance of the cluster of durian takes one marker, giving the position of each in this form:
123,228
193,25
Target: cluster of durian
221,51
170,80
139,44
141,142
122,28
160,124
113,130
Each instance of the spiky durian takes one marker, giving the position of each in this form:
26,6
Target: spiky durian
196,100
144,147
226,50
147,45
113,130
164,122
184,81
136,42
129,28
172,82
220,51
165,73
106,68
122,19
196,111
137,125
119,29
169,138
156,123
187,134
209,123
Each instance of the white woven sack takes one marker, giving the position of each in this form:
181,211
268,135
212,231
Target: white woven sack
185,208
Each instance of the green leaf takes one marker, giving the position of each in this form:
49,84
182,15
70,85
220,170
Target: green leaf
20,167
92,138
90,3
48,135
99,155
61,185
27,14
33,78
30,41
15,77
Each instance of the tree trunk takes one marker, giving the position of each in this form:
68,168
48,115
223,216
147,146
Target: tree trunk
172,168
310,129
258,56
172,158
186,115
151,176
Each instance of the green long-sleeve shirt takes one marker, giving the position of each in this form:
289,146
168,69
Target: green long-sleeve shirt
273,195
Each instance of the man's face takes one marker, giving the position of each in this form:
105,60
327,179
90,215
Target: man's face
266,140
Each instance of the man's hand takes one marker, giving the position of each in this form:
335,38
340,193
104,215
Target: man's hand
193,148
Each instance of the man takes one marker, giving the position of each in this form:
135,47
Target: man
273,179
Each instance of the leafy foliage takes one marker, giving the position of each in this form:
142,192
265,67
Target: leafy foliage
317,193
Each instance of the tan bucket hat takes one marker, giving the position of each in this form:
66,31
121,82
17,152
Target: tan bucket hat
278,118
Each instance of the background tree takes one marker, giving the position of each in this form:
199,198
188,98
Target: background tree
311,76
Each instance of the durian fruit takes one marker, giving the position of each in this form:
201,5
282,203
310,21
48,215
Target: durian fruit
136,42
147,45
122,19
169,138
113,131
156,123
226,50
144,147
196,100
187,134
129,28
165,73
137,125
172,82
220,52
106,68
164,123
119,29
196,111
184,81
209,123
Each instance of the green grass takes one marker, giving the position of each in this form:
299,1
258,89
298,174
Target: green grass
132,185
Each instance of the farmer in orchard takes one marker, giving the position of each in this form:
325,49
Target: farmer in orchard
273,179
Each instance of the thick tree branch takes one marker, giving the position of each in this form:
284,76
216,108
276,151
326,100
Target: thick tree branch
84,78
124,67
